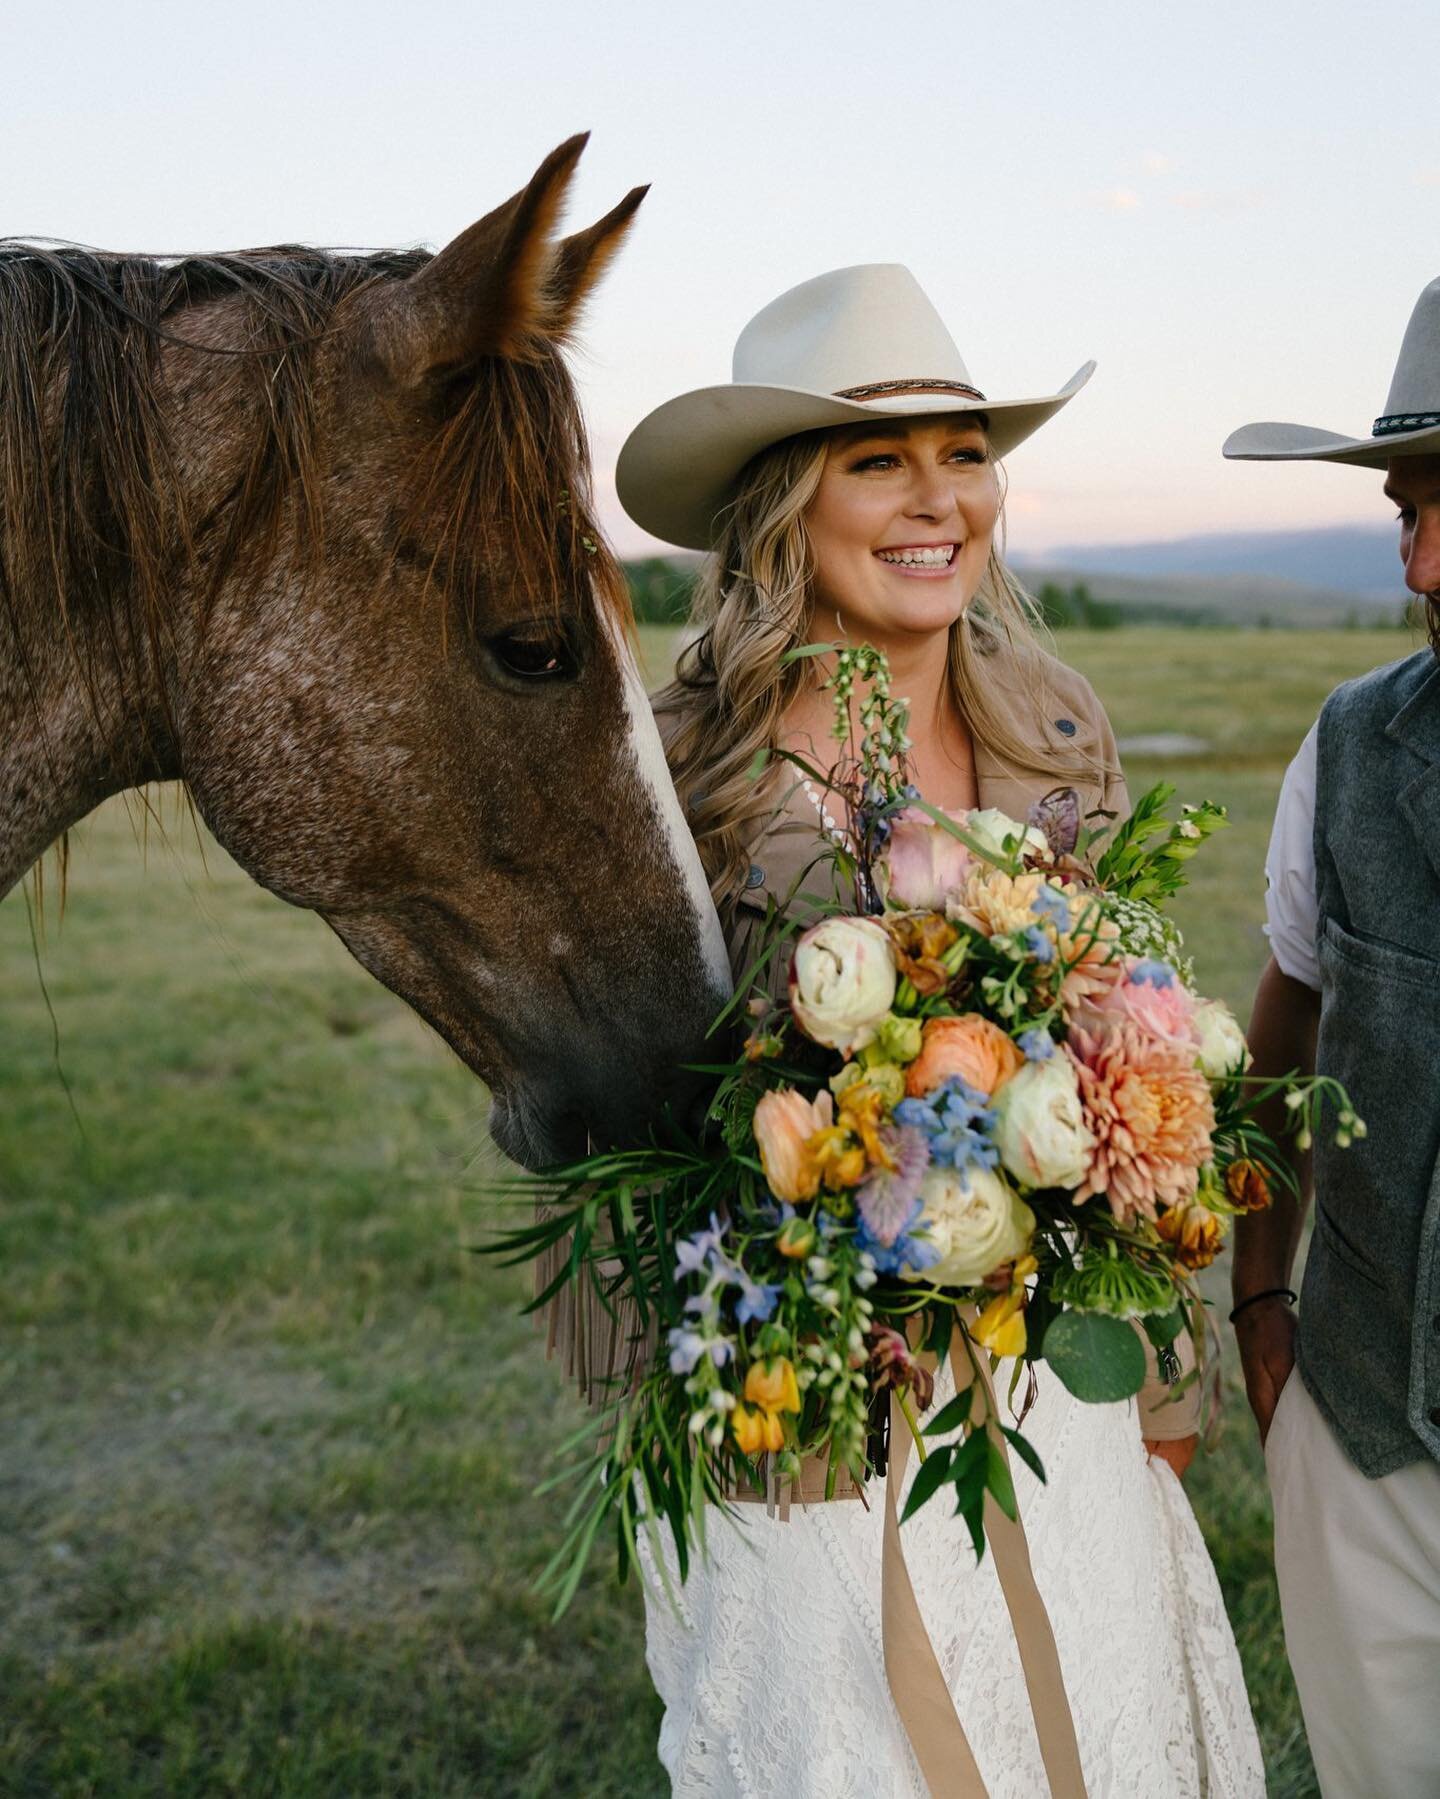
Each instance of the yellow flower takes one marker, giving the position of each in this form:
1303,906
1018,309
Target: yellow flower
755,1430
1000,1328
862,1109
837,1157
1247,1186
772,1385
1196,1233
770,1389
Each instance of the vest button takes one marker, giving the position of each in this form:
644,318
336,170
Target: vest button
756,878
1066,726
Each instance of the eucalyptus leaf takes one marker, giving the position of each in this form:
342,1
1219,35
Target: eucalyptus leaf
1163,1328
998,1480
951,1416
1025,1450
1099,1358
933,1474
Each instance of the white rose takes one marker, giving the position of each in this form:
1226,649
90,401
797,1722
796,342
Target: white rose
1222,1042
842,982
991,827
976,1220
1040,1127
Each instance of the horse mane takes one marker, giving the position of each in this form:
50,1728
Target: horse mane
93,527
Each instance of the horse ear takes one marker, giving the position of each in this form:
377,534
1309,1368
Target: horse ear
582,260
489,292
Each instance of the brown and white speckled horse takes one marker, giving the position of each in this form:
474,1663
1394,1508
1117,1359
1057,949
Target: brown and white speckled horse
309,531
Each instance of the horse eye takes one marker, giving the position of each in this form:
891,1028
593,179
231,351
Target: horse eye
535,656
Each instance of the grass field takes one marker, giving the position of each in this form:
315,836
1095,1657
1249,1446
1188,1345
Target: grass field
269,1434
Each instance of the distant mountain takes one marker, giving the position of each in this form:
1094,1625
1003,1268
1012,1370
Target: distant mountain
1220,599
1350,559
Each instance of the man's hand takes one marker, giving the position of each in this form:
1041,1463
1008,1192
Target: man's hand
1177,1452
1266,1335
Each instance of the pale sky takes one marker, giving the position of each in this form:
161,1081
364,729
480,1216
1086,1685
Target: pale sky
1232,205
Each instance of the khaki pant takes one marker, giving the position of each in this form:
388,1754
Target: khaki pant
1358,1562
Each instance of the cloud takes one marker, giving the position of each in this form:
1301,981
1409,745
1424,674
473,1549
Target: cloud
1216,200
1155,162
1426,177
1117,199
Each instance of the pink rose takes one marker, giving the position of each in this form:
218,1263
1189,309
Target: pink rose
923,864
1151,996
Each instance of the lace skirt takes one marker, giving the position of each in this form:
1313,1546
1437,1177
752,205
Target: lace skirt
772,1672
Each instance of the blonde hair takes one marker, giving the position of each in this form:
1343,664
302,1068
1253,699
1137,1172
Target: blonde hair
754,600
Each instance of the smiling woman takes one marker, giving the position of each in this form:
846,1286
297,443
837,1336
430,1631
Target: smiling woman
847,486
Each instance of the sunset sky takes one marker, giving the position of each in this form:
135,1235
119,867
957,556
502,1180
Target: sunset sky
1232,206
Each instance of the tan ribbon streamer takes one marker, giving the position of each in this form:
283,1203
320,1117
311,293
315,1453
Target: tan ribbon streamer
921,1696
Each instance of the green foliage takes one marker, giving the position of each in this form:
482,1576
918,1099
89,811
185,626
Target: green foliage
1076,608
1100,1359
660,590
1139,863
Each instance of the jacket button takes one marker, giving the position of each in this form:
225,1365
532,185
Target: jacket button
756,876
1066,726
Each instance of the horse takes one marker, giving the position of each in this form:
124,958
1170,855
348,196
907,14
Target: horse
310,531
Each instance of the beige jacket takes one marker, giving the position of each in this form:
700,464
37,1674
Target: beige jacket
1074,744
1060,714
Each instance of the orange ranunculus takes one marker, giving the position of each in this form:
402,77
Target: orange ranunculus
971,1047
785,1121
1196,1233
1247,1186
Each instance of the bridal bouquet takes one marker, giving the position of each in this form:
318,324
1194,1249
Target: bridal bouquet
988,1109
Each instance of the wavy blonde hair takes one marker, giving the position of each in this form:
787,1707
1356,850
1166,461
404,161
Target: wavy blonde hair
754,600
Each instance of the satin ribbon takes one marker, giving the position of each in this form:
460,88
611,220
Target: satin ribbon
917,1684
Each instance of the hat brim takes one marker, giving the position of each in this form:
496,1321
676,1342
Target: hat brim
678,467
1273,442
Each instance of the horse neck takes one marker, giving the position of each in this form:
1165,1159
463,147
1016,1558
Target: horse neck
79,722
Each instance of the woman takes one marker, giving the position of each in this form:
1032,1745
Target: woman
846,484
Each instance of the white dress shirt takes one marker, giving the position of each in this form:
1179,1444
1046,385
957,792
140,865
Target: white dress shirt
1291,911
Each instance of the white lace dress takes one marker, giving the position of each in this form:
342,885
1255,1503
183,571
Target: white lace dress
773,1677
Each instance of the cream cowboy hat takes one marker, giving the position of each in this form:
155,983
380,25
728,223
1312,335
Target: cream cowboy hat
858,343
1409,425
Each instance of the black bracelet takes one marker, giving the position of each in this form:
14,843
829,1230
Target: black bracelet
1269,1293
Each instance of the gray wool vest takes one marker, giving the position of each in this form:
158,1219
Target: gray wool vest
1369,1347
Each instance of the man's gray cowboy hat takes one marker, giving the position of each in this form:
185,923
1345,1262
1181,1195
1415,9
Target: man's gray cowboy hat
853,344
1409,425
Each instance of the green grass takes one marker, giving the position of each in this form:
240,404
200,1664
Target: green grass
269,1434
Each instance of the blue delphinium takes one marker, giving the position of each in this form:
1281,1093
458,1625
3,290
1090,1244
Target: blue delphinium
1052,907
1038,944
957,1124
1150,973
757,1299
1036,1045
910,1250
696,1254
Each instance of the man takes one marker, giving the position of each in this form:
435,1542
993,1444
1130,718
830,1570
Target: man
1352,991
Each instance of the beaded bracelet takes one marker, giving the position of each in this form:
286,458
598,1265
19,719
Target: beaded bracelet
1284,1293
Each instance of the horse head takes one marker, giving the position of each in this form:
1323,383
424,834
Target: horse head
365,614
